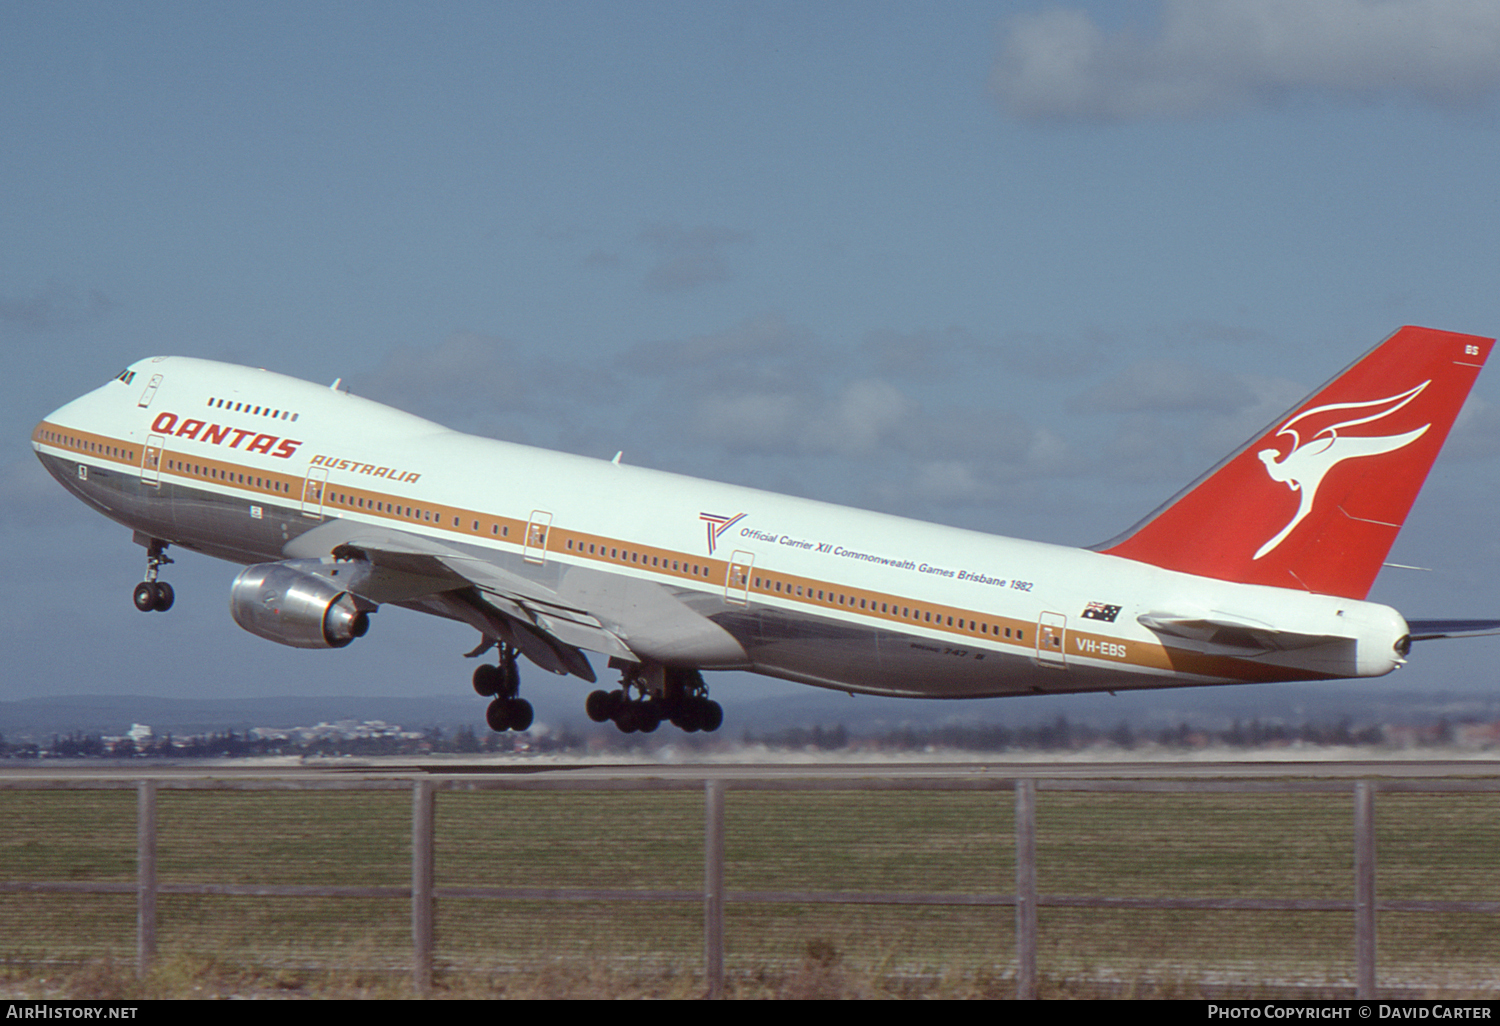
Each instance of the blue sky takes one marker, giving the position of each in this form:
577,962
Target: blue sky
1023,267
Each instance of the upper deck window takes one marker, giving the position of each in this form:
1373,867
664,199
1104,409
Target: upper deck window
250,408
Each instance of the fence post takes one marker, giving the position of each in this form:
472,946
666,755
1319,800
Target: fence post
713,887
421,885
1364,889
145,884
1026,890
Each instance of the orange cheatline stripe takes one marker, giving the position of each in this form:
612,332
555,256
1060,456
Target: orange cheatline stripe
953,621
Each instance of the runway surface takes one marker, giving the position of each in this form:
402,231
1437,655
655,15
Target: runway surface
903,769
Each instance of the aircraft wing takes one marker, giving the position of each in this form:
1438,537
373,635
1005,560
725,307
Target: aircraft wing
412,570
1430,630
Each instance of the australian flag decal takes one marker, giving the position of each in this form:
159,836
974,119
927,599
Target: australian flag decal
1100,611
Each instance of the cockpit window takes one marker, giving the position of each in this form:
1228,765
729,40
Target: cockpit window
126,376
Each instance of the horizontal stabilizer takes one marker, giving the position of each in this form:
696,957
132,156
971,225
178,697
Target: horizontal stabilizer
1430,630
1235,632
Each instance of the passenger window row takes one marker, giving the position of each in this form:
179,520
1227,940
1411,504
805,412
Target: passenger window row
382,504
655,561
271,484
68,441
254,410
888,608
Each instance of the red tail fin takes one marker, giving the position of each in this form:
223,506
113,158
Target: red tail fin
1315,502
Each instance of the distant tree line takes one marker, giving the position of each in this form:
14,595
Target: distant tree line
233,744
1061,734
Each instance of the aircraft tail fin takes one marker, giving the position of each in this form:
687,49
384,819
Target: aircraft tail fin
1315,501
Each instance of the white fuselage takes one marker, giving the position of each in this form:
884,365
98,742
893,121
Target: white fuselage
253,466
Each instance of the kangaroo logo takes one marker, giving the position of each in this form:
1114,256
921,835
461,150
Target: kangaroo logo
1305,464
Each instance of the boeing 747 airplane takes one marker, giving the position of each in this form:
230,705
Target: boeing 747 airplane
339,505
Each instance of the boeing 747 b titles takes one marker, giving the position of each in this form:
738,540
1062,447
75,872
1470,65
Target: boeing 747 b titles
339,505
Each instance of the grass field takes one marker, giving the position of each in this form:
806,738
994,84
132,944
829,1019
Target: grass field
1123,845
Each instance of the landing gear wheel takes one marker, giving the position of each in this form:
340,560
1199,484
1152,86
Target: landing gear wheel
696,713
497,715
487,680
686,715
600,705
153,596
509,714
520,713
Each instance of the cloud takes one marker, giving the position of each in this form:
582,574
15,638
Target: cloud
951,481
1165,421
31,498
1213,57
766,389
1476,433
955,354
863,416
52,307
927,353
488,384
463,366
860,419
689,258
1166,386
602,260
749,351
1200,331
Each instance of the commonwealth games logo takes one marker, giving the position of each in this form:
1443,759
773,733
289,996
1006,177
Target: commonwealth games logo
717,525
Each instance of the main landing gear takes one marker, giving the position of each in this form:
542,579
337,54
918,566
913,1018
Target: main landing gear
646,697
683,700
151,595
502,682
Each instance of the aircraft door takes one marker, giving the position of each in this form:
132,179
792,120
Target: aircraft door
737,578
1051,634
151,457
537,529
150,392
312,492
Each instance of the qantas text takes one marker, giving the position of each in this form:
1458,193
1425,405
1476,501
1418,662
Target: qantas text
222,434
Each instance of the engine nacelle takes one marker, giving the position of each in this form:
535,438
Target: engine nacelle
288,605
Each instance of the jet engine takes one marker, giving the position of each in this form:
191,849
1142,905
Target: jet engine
285,603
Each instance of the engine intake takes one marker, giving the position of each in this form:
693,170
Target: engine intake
288,605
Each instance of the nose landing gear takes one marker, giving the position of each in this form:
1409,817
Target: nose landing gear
151,595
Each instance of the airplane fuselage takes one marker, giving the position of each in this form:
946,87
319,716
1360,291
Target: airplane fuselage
252,467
